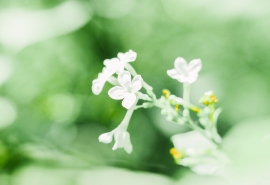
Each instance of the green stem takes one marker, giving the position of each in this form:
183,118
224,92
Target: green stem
133,73
112,80
186,94
125,121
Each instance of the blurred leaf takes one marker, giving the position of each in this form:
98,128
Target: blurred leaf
22,27
33,175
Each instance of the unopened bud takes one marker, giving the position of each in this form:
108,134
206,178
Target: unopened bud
208,98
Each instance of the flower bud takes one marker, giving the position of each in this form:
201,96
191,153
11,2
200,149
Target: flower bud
105,138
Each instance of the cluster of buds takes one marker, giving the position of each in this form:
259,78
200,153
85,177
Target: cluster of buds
208,98
126,89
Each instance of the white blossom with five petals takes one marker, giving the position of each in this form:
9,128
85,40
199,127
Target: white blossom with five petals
128,89
185,72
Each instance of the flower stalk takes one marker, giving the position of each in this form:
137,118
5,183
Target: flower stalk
205,143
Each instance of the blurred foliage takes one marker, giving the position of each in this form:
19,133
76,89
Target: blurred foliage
48,114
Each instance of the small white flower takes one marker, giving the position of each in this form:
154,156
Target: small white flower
127,89
184,72
121,138
97,84
118,64
201,154
114,65
193,143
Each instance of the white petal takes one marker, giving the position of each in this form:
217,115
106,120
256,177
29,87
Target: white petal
111,63
124,79
117,93
122,140
129,100
105,138
172,73
136,83
129,56
192,78
205,169
108,71
181,66
175,75
195,66
97,86
127,145
192,139
119,140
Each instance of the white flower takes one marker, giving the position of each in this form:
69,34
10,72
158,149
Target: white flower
127,89
184,72
129,56
114,65
193,143
201,154
121,138
97,84
118,64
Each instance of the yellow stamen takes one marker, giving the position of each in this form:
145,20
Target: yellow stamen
175,153
176,107
166,93
206,102
195,109
208,98
213,98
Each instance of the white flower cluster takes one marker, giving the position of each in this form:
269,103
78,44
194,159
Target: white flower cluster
197,149
126,89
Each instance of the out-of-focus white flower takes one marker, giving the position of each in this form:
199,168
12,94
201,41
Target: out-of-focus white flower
97,84
127,89
184,72
121,138
197,152
192,143
118,64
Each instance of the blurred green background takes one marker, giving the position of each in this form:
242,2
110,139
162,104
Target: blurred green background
51,50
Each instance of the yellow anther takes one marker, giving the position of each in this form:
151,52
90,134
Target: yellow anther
205,102
195,109
176,154
208,98
176,107
166,93
213,98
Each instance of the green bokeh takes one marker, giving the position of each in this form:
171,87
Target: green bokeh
49,115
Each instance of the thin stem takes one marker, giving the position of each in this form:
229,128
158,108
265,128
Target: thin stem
133,73
186,92
125,121
112,80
